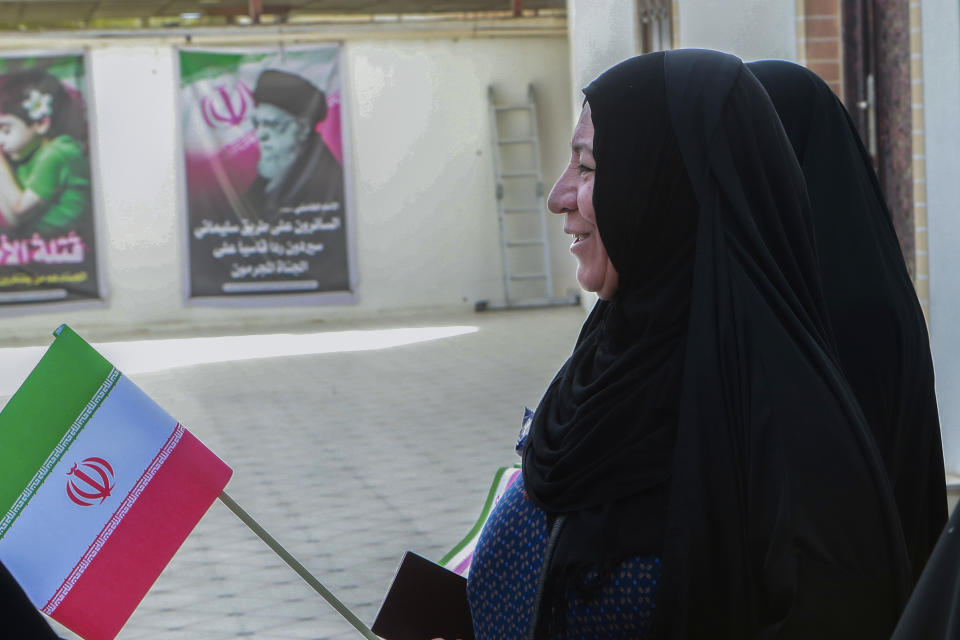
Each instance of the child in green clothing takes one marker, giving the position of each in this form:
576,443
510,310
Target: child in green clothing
44,171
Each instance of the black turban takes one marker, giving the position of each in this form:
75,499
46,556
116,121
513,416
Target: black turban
292,93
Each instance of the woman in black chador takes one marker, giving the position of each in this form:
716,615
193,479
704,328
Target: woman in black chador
879,327
699,467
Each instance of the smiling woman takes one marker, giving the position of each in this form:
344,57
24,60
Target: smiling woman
572,195
699,467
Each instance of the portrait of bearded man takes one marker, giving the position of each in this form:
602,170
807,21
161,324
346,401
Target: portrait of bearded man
296,167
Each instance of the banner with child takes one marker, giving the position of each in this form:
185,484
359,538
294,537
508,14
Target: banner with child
47,238
263,163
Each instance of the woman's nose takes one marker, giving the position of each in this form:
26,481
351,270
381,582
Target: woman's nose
562,197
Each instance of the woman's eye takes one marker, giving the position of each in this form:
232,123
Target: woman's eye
584,168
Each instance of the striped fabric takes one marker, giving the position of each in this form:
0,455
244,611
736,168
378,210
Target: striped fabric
459,558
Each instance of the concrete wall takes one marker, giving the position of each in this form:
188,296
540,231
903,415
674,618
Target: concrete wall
598,40
751,29
941,94
426,231
430,227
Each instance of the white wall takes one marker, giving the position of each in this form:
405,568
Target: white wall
941,67
423,199
750,29
429,194
137,183
598,40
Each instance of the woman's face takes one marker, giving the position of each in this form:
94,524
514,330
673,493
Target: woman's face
17,138
573,196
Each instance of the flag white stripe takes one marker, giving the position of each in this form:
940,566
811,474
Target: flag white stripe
58,451
52,533
114,522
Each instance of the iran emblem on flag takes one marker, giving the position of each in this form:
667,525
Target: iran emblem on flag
99,487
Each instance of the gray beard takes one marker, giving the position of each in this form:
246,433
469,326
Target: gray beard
274,172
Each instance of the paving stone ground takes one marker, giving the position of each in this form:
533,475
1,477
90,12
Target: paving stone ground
348,459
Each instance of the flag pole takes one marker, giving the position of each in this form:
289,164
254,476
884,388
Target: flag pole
299,568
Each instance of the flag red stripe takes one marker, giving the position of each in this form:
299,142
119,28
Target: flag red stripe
141,546
111,526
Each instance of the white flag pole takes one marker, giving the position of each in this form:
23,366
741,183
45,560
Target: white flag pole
299,568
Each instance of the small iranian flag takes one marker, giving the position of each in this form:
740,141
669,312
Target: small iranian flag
99,486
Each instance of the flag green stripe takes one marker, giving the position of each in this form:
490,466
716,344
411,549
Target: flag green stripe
68,67
45,408
58,452
203,65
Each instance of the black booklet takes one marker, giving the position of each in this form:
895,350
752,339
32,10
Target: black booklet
424,601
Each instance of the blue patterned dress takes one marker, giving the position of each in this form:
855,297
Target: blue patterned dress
506,567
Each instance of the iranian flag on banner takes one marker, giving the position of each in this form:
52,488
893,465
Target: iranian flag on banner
99,486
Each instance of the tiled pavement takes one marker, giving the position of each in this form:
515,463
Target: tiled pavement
348,459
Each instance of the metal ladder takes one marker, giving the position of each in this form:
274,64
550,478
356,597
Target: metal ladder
521,209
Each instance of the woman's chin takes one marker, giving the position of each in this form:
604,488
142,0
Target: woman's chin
586,283
604,287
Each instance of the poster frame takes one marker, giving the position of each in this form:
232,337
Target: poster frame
266,300
97,202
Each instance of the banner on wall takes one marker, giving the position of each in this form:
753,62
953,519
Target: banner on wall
47,238
263,158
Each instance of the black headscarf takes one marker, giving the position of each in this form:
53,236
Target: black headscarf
702,415
19,618
879,327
